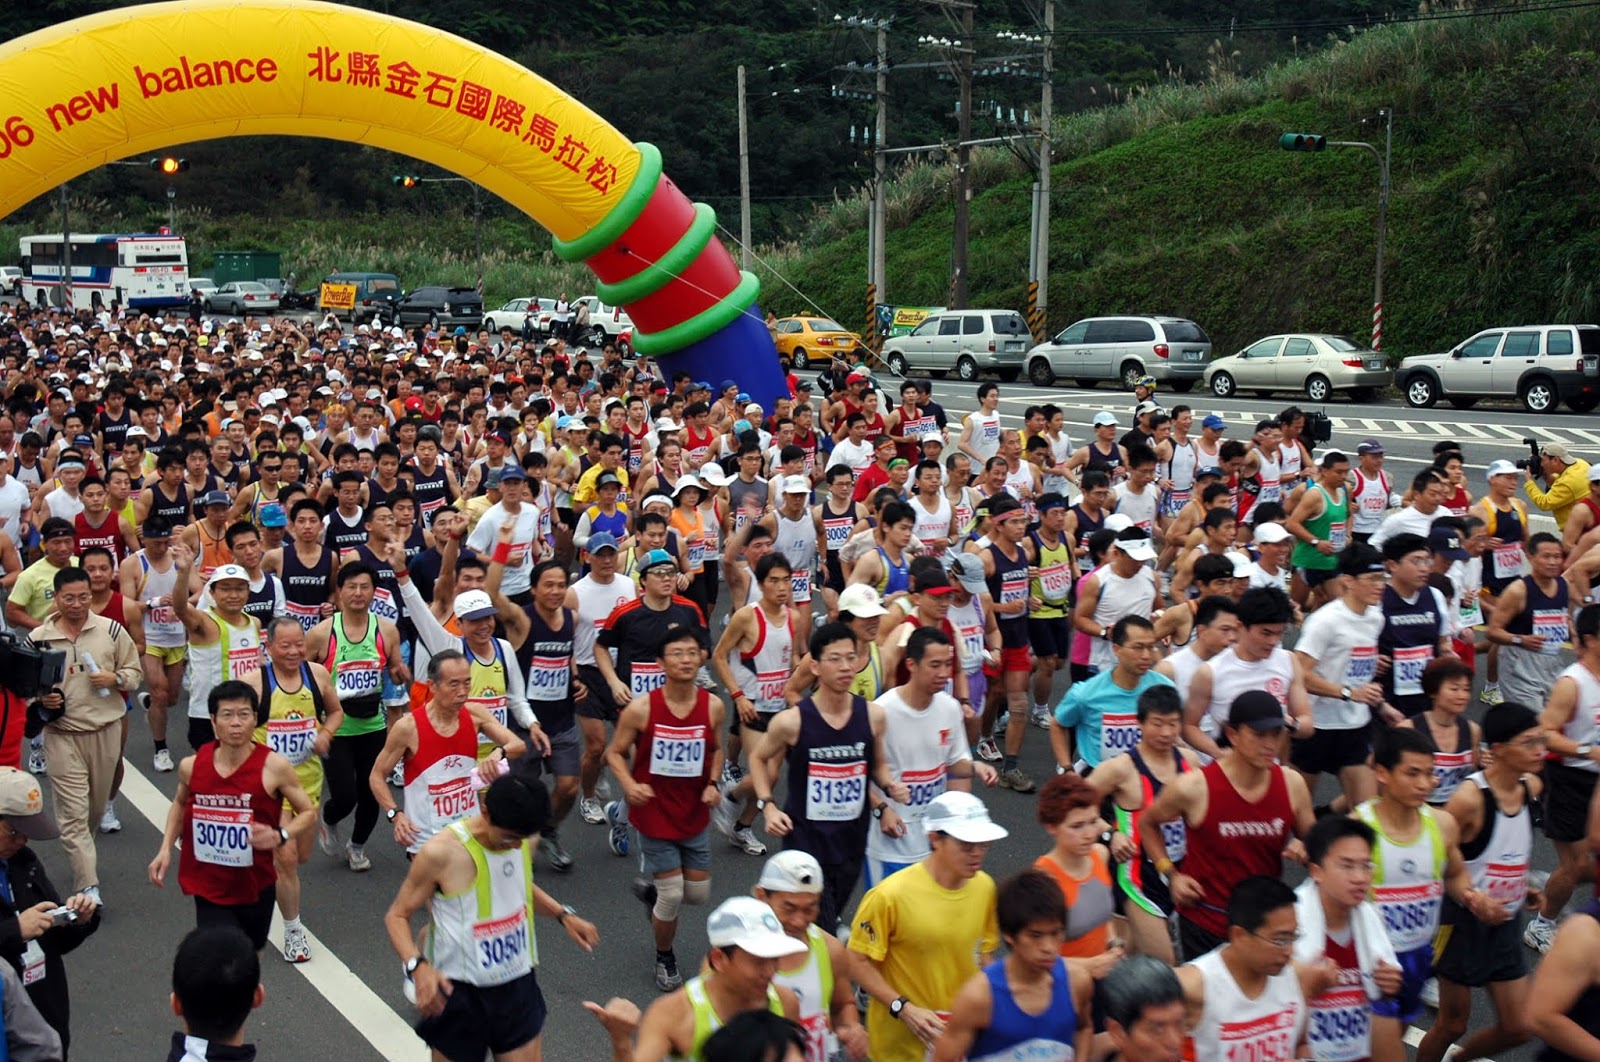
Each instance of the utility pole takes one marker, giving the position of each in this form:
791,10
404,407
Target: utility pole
744,177
1041,264
958,285
880,169
172,209
1387,114
66,251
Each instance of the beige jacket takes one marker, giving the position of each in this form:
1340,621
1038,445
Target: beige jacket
113,650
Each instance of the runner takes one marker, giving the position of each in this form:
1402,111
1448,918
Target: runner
1450,735
836,516
227,813
1242,814
794,536
306,567
1099,719
149,578
1320,524
302,716
1506,524
923,933
1530,624
1144,1010
1029,1004
1005,568
1080,866
1257,661
1563,1000
592,600
667,754
475,982
1049,631
224,642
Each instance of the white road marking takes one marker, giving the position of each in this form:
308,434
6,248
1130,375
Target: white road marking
389,1034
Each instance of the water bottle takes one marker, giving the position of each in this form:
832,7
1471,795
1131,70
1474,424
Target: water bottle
94,669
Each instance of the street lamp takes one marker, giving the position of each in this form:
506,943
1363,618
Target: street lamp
407,180
1317,142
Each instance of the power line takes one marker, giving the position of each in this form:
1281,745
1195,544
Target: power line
1358,21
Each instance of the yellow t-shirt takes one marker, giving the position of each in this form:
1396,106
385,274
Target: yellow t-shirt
583,491
35,589
927,940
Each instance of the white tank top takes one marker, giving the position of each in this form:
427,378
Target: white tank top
1118,597
1271,477
1235,1028
440,793
162,628
764,671
1408,884
985,440
797,540
1181,469
596,601
1231,676
1184,664
1501,869
1140,508
483,935
1368,502
368,443
1289,463
235,654
919,747
930,525
1584,726
806,983
1019,484
968,623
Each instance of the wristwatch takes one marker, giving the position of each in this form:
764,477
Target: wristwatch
1584,750
414,962
761,803
898,1007
283,836
566,909
390,814
1344,691
877,812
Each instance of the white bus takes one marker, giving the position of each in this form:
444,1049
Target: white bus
144,271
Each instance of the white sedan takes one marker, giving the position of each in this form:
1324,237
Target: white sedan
1314,364
511,315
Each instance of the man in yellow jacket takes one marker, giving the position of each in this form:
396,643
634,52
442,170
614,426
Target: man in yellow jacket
1568,477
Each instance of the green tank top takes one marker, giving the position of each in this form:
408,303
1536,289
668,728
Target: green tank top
1054,579
706,1020
1332,526
868,682
357,670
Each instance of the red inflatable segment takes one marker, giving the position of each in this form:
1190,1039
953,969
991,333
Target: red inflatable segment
666,216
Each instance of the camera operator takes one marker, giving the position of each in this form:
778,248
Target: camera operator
1566,478
31,940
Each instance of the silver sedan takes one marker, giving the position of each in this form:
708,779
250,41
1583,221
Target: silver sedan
1315,364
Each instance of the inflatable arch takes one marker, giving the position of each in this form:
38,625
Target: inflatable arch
133,80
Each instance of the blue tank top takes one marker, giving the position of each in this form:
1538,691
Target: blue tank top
1410,635
895,580
1012,1033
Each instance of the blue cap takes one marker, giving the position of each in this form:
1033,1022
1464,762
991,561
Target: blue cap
604,540
654,559
742,397
214,497
1214,422
727,384
461,330
272,515
700,385
511,472
1209,470
569,421
740,426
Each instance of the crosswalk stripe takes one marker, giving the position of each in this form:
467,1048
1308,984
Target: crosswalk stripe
1508,432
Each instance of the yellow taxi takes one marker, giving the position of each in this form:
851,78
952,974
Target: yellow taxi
810,341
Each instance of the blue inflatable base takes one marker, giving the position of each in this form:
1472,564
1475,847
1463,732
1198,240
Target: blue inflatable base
742,352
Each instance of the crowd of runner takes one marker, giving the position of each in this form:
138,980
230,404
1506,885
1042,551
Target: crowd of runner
482,592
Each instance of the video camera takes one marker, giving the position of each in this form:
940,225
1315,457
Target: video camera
1532,460
28,671
1319,428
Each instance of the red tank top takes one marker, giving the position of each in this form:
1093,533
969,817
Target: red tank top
113,609
1594,510
1237,840
698,447
875,429
216,861
431,747
107,536
673,757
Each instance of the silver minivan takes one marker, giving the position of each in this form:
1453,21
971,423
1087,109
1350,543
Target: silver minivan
965,342
1171,349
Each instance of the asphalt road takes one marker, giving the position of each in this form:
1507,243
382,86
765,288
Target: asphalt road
348,999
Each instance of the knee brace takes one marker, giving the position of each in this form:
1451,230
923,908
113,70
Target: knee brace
697,892
669,898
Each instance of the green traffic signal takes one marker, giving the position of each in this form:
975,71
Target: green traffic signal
1302,142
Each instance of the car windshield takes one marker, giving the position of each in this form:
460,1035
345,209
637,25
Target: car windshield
1343,344
1183,332
382,284
822,324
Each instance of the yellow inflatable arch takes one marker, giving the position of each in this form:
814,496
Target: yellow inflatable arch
136,79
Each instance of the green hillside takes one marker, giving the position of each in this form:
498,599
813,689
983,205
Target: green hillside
1177,200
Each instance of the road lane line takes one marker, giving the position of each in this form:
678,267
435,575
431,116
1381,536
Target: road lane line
388,1033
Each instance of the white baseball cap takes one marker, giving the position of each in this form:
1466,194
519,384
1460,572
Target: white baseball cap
228,571
962,816
861,600
713,475
746,923
1499,468
1272,532
796,485
474,604
791,871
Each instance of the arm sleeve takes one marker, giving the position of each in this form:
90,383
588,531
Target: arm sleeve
516,687
429,631
580,534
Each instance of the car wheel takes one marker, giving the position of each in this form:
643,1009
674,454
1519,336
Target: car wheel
1008,375
1086,383
967,369
798,360
1585,404
1318,388
897,363
1539,395
1040,374
1131,371
1363,395
433,321
1183,387
487,325
1222,385
1466,402
1421,391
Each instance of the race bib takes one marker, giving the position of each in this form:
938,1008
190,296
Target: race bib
1175,836
1054,582
307,616
1101,655
33,967
1270,492
925,785
1508,561
1119,732
549,678
383,605
800,587
1014,586
502,945
1268,1039
1551,625
920,428
1338,535
357,678
645,677
1471,609
769,686
837,531
1506,883
161,616
495,705
971,637
678,751
452,800
1375,502
242,662
221,836
1409,664
697,554
1340,1029
1363,666
292,738
1410,912
1450,769
836,792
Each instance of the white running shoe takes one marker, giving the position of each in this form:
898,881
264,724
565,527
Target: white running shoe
1430,993
744,838
1538,936
356,856
36,764
295,948
397,777
725,816
1039,717
591,811
330,839
109,823
93,892
163,761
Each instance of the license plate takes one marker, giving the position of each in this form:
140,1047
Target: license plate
1194,355
1014,344
1375,363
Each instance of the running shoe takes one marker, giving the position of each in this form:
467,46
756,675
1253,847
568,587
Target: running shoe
1040,717
1001,721
590,811
703,679
162,761
143,700
732,774
330,839
1017,780
1538,935
725,816
744,838
295,948
644,890
1490,695
559,858
36,764
616,816
356,857
667,975
93,892
1429,996
109,823
988,751
397,777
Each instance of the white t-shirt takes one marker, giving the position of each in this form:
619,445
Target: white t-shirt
62,504
1405,521
13,504
1345,648
519,569
1260,577
920,748
857,455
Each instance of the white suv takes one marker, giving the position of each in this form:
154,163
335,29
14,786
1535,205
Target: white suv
1539,365
1171,349
966,342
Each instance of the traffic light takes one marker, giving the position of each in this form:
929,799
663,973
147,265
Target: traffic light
405,180
169,165
1302,142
